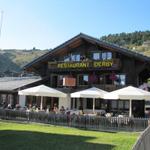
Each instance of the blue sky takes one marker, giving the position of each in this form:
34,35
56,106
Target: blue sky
47,23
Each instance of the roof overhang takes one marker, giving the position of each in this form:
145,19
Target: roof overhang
83,37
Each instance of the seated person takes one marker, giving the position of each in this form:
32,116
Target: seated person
82,58
62,109
55,109
17,106
9,106
81,112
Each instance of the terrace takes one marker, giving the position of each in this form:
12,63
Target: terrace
90,122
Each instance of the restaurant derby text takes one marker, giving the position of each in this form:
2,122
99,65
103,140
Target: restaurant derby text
86,64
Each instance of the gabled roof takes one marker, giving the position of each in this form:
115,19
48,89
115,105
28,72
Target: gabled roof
13,83
93,41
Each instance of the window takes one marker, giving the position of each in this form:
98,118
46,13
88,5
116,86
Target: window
126,104
96,55
101,79
93,78
106,55
83,79
97,103
120,80
66,58
109,55
120,105
3,97
89,104
104,104
123,79
72,57
60,80
72,100
108,80
75,57
73,103
102,55
100,104
97,79
111,79
114,104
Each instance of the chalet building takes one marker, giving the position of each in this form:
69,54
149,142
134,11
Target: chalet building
84,62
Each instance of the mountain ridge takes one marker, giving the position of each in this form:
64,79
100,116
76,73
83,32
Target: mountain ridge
14,59
138,41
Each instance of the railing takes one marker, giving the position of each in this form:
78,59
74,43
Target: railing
143,143
79,121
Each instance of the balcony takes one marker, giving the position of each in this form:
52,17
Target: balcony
113,64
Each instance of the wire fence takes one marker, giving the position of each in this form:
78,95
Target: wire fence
78,121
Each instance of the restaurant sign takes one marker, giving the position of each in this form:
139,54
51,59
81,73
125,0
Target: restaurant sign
84,64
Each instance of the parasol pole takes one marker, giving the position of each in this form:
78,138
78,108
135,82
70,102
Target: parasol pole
93,105
41,105
130,110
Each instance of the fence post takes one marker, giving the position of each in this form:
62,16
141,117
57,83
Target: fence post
28,116
85,122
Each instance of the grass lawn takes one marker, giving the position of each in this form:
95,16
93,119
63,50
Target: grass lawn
15,136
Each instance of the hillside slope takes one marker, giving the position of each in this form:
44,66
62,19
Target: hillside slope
14,60
137,41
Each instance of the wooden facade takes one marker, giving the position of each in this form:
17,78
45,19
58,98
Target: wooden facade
91,62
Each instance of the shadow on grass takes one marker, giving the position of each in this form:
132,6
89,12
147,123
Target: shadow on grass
26,140
102,130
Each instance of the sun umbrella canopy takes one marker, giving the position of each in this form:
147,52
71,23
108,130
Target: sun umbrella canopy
89,93
129,92
42,90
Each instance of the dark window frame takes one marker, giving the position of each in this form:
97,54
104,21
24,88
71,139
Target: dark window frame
78,78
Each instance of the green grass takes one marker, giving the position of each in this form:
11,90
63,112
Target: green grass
17,136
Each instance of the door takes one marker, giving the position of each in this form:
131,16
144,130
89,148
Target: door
54,81
138,107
